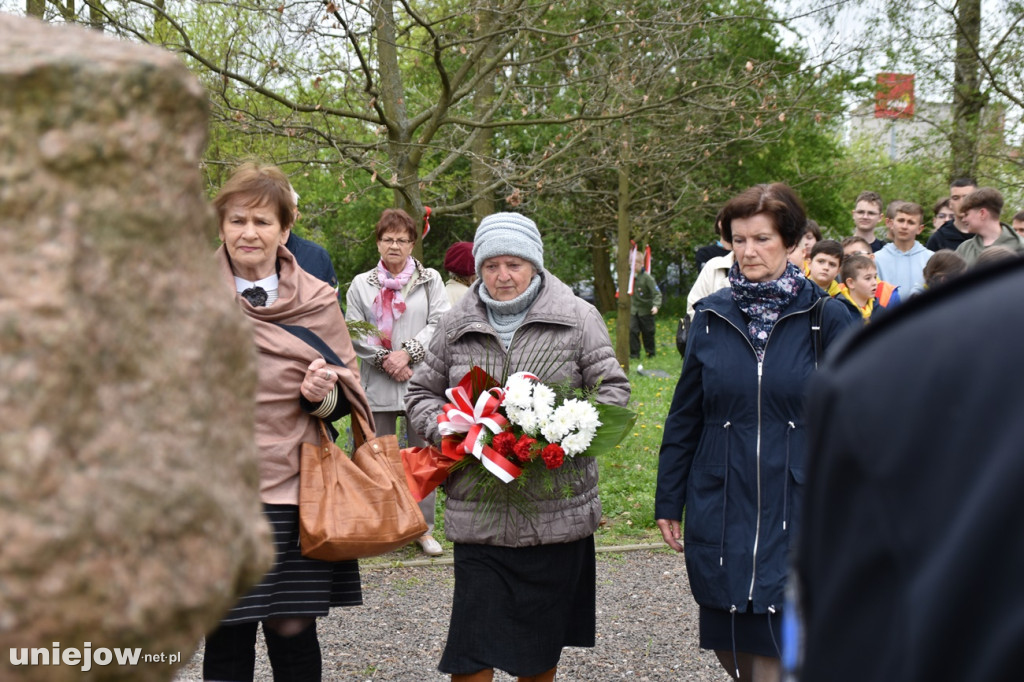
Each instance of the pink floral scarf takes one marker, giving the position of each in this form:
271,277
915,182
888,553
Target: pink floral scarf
388,306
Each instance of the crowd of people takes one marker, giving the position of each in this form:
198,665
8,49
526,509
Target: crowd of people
735,453
967,232
531,576
772,299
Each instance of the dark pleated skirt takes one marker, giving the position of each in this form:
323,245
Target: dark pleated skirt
752,633
515,608
296,586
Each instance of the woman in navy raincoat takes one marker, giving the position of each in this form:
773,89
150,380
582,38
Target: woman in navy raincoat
733,448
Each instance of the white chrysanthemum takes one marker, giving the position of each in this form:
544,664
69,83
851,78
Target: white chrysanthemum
586,416
514,414
518,392
577,410
529,422
574,444
543,399
558,426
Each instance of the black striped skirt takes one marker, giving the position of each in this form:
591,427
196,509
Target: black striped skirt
296,586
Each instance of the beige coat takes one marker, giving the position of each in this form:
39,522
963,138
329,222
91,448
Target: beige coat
425,302
563,338
280,422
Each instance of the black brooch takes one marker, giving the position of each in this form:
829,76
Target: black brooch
257,296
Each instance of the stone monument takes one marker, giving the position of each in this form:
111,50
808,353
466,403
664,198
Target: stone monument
129,514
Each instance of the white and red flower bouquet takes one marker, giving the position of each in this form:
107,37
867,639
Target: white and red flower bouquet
514,431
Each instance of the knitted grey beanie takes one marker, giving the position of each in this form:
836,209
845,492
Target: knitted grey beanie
508,234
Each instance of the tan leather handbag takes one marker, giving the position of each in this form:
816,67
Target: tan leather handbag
352,508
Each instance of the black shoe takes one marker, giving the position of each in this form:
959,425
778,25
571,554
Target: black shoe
650,355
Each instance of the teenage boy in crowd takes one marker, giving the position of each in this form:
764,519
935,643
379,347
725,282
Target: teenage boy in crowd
860,279
952,233
887,294
979,211
942,213
1018,223
826,257
902,262
866,213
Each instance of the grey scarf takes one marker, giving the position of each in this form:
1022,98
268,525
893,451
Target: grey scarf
506,316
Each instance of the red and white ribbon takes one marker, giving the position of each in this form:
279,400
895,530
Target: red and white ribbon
521,375
463,416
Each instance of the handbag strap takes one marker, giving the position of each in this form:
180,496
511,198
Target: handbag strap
319,345
361,431
314,340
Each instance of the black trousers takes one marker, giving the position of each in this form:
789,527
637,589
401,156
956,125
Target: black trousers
641,325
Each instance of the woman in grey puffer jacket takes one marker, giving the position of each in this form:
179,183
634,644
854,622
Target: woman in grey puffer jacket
529,577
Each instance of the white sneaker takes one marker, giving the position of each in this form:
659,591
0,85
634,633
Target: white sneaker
430,546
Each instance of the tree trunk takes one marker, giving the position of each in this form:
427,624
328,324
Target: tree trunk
482,143
392,98
604,286
968,100
622,264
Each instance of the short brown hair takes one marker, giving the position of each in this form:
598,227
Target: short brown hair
869,196
258,185
814,228
854,239
987,198
776,201
910,208
395,220
855,264
829,247
893,207
941,204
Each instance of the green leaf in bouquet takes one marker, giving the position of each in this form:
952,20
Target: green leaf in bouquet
361,329
616,422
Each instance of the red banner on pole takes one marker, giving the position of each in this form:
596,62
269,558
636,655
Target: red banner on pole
894,97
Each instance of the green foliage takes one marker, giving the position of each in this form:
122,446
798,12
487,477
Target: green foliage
920,179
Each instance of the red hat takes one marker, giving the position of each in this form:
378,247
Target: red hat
458,259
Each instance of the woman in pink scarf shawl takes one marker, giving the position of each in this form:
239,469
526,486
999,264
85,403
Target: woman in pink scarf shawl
300,380
404,300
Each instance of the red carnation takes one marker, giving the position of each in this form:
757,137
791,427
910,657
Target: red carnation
503,443
524,447
553,456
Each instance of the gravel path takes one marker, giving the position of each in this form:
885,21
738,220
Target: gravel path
646,626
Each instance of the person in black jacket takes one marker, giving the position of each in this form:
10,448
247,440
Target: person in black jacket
733,448
953,232
909,560
719,248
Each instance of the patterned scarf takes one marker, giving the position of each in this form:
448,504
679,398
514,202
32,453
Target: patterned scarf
763,302
388,306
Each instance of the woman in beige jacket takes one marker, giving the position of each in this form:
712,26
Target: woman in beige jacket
404,300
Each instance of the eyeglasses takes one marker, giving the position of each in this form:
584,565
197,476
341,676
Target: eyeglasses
945,216
395,242
859,253
867,214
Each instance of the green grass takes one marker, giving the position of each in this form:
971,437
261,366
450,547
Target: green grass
629,473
